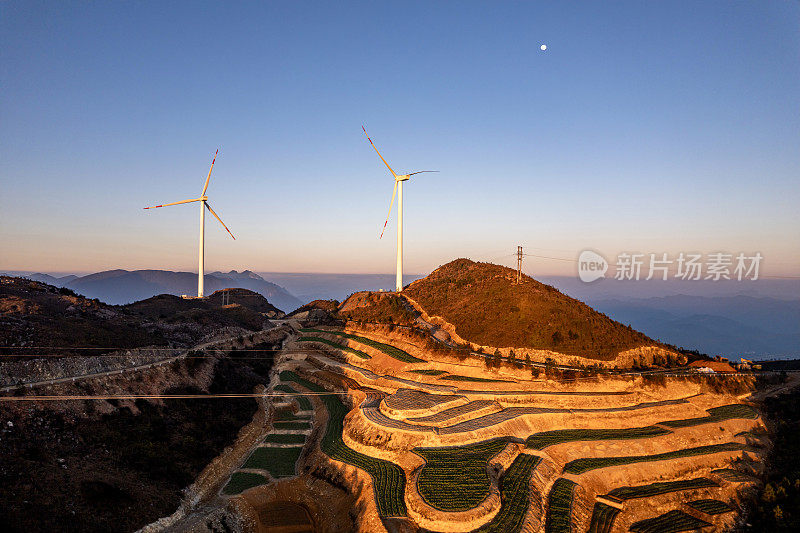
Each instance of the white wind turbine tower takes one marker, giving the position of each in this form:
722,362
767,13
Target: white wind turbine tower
203,199
398,190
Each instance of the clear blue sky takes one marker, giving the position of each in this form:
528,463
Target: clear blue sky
644,126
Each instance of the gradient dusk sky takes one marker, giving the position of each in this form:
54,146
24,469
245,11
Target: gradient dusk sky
644,126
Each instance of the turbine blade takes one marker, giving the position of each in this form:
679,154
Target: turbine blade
394,192
379,154
421,171
209,173
220,221
174,203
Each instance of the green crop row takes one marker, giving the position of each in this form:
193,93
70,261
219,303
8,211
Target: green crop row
455,478
671,522
579,466
603,517
539,441
388,479
711,507
559,507
279,462
662,487
513,496
428,372
455,377
715,414
336,345
241,481
388,349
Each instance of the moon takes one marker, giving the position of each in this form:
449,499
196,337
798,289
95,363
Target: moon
543,47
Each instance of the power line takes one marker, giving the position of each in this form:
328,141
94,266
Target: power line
164,396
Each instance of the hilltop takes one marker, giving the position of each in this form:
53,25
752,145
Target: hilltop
483,303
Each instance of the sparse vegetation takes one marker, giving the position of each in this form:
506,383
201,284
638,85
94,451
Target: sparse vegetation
377,307
776,505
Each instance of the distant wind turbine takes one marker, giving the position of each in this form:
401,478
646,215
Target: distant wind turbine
398,191
203,206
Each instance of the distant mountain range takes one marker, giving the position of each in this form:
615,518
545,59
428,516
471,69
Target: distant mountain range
732,326
694,315
121,287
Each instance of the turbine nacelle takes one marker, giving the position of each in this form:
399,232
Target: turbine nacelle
403,177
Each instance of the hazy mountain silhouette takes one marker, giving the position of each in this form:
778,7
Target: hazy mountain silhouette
732,326
126,286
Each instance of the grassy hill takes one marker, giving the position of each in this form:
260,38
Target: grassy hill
485,305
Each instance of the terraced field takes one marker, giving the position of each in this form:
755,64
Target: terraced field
579,466
544,487
456,377
654,489
302,401
715,414
559,507
388,349
285,438
455,478
729,474
671,522
241,481
514,499
428,372
388,479
279,462
540,441
342,347
710,507
453,412
410,399
603,517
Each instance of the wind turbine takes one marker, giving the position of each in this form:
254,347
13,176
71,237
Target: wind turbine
398,190
203,199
